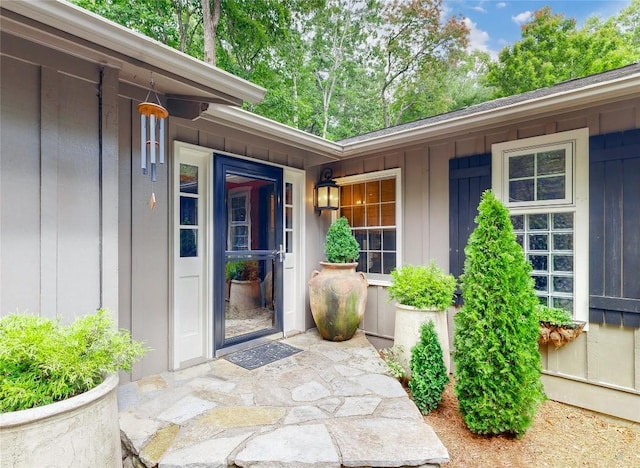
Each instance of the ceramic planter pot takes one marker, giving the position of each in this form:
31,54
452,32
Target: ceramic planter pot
338,297
407,331
245,294
80,431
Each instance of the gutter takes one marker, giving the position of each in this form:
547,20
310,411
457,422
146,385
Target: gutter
100,31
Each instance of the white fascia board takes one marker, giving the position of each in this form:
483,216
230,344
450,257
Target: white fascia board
98,30
273,130
628,86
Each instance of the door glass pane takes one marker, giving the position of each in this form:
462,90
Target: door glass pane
188,211
188,242
288,193
188,178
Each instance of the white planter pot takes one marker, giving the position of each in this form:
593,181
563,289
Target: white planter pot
80,431
407,330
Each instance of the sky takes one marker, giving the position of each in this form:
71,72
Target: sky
496,23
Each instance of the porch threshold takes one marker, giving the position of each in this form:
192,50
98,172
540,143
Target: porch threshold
331,405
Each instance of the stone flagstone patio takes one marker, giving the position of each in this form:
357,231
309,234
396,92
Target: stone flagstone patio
331,405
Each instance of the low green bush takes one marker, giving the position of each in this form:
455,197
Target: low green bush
340,245
428,373
422,286
553,315
42,362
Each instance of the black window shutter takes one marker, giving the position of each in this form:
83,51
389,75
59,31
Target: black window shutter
614,228
469,177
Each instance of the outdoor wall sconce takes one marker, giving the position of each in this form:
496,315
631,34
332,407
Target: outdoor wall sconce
152,117
326,194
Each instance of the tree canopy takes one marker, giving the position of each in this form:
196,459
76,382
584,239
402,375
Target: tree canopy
338,68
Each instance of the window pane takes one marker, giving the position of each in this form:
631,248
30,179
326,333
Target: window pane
188,242
551,162
288,193
188,178
521,190
373,192
373,215
518,222
388,211
521,166
563,242
551,188
362,262
539,262
288,217
239,238
347,213
562,284
345,195
358,216
538,242
541,283
375,240
375,262
389,239
520,240
358,194
361,237
539,221
188,211
563,303
239,208
562,263
388,262
562,220
289,241
388,190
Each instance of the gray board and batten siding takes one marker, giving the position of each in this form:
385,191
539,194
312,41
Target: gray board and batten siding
600,370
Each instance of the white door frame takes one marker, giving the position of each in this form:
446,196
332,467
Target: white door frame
294,298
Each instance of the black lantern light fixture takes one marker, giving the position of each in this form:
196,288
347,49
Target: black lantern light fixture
326,194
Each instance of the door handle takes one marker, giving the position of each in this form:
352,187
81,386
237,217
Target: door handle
281,253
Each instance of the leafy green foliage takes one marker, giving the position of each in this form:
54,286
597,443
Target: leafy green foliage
428,373
553,49
496,332
553,315
340,245
42,362
242,270
422,286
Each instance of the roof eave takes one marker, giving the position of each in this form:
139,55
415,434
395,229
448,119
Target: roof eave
95,29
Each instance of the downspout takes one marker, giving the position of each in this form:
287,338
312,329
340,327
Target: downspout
100,226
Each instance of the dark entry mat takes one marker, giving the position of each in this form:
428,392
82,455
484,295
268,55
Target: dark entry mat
262,355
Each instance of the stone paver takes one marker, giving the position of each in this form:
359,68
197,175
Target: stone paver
332,405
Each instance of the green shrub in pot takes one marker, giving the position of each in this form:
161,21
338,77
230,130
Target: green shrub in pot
422,286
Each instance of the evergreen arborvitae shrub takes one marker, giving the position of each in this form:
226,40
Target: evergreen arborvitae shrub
428,373
497,374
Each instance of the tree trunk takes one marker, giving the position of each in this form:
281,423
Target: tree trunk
210,26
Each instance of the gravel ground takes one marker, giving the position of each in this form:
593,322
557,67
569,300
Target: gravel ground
561,436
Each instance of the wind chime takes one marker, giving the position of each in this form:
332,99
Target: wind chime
152,127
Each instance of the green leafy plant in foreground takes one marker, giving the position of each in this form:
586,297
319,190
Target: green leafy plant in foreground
42,362
422,286
497,376
340,245
553,315
428,373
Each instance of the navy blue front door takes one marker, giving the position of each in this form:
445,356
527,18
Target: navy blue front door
247,250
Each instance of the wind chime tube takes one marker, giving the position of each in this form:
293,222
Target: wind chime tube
152,145
143,143
162,140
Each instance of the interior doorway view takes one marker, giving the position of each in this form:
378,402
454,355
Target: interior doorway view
248,250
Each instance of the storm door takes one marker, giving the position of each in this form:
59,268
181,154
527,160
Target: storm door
249,253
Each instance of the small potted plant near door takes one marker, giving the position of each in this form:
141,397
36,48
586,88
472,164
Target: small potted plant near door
58,404
337,293
244,284
422,293
557,326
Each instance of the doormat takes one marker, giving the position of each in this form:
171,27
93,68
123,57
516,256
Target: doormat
262,355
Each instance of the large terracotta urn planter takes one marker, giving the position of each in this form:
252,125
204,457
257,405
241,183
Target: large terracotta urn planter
80,431
338,297
407,331
245,294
